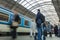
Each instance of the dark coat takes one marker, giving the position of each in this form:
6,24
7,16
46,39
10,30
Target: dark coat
16,19
41,17
56,29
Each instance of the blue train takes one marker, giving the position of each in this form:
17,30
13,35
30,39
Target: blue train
6,16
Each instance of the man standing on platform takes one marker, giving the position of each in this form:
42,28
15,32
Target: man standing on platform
14,24
40,18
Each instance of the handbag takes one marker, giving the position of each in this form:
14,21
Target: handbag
14,24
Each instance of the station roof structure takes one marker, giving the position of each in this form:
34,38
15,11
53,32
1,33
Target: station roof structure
46,7
56,4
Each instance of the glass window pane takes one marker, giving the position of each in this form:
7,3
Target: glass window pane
26,23
28,0
4,17
27,5
32,5
24,3
15,0
32,2
21,1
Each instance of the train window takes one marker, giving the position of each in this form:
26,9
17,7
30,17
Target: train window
26,22
3,17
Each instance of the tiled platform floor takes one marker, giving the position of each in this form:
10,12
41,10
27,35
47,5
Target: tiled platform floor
28,38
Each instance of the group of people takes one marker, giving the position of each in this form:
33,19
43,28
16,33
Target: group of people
42,30
15,21
39,20
40,25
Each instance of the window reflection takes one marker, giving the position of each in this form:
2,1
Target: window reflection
3,16
26,22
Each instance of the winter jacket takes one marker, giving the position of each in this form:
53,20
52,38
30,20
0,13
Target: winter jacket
40,17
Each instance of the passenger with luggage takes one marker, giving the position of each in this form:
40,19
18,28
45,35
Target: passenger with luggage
14,24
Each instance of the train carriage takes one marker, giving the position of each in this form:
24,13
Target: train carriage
6,16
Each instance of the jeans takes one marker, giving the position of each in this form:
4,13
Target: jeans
44,38
39,33
43,33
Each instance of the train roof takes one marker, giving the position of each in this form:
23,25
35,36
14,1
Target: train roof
6,9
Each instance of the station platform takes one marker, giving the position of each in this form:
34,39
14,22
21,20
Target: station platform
28,38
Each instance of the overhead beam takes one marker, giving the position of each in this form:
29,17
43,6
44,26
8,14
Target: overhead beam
12,5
